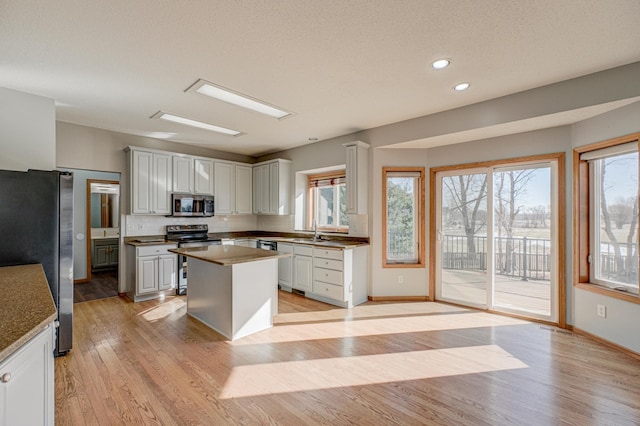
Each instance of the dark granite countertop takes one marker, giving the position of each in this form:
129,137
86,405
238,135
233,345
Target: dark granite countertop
27,306
229,255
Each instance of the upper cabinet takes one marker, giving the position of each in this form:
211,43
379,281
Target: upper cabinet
272,187
203,176
233,188
357,177
151,182
192,175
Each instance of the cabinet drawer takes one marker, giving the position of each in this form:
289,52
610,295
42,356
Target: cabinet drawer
303,250
285,248
327,275
154,250
328,290
327,253
328,263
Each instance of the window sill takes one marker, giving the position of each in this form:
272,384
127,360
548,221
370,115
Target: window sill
403,265
606,291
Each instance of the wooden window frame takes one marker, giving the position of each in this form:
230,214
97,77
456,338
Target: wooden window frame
420,221
581,221
311,201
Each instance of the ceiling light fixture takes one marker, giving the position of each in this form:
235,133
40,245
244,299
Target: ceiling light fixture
181,120
461,86
226,95
440,64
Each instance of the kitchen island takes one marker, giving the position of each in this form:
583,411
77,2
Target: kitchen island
232,289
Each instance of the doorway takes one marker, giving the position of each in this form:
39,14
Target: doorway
496,237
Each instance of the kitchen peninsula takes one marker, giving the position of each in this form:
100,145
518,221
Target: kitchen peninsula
232,289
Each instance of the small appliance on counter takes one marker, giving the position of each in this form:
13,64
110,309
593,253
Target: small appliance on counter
188,236
190,205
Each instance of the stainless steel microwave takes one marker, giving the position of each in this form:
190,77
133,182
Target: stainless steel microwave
192,205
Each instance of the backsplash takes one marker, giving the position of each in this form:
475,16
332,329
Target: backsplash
141,225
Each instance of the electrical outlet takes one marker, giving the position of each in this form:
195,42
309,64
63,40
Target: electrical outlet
602,311
400,279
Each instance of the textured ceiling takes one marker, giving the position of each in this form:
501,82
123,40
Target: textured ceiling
341,66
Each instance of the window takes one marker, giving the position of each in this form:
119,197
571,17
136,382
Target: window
403,217
327,202
606,207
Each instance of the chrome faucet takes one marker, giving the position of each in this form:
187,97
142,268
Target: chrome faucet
316,237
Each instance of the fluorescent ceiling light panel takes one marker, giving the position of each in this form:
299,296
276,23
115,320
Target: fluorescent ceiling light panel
226,95
181,120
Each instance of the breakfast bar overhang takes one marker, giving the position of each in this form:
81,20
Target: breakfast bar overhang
232,289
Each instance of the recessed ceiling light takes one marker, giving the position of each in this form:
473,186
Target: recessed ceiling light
181,120
440,64
313,139
461,86
218,92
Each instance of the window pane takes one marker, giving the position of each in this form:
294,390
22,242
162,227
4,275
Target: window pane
342,196
325,206
615,192
402,195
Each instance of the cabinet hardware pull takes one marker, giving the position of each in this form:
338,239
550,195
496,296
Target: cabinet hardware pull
6,377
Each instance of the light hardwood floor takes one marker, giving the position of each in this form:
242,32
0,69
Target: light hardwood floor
379,363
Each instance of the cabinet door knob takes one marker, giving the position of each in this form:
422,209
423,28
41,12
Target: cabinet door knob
5,377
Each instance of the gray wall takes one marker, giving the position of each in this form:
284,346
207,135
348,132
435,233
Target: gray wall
27,131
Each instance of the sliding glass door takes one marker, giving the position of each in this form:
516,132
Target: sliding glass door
496,238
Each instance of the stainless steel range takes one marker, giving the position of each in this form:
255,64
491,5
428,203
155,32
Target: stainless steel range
188,236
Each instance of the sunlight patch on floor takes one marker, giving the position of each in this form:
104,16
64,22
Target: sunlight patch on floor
307,375
375,326
163,310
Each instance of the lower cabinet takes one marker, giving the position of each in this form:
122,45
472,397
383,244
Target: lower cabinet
27,383
155,271
302,267
104,254
285,266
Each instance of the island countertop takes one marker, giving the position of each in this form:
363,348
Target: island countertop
27,306
228,255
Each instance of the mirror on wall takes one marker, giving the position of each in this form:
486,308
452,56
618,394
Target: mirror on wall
105,205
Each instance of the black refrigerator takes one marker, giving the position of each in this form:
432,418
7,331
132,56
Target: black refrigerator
36,226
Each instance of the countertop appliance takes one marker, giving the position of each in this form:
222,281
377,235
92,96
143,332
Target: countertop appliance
267,245
36,224
188,236
192,205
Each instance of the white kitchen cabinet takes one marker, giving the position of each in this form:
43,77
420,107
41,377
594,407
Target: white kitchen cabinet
243,189
357,177
151,178
340,276
272,187
27,383
302,268
203,176
225,188
155,271
285,267
183,174
192,175
233,188
261,189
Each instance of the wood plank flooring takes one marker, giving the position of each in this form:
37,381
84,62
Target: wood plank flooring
377,364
